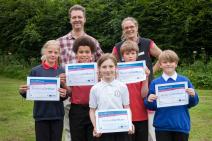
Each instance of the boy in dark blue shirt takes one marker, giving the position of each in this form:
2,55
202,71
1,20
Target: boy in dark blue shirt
172,123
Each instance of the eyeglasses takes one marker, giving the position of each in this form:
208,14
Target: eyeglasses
129,27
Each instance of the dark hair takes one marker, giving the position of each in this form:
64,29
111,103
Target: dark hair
84,41
76,7
105,57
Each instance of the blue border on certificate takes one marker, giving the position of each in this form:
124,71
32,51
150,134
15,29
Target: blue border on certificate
45,85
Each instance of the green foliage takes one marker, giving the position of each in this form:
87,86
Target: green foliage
184,25
13,67
199,73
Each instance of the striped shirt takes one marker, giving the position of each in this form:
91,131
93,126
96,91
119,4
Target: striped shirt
67,55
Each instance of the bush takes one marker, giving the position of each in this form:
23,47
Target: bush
199,73
13,67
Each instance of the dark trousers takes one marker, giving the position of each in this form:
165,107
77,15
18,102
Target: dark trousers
122,136
81,127
171,136
141,131
49,130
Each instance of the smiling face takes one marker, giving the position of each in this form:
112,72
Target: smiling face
107,70
77,19
84,54
168,67
130,30
51,54
130,56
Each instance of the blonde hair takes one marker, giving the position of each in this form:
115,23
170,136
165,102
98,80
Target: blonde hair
46,45
123,36
129,46
168,55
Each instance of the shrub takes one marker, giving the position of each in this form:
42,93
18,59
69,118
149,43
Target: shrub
199,73
13,67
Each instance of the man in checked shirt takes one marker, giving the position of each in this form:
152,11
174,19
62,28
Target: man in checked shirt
67,56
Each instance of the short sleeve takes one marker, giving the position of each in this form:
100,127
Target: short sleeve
125,95
152,44
92,98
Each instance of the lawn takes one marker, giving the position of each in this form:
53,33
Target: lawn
16,122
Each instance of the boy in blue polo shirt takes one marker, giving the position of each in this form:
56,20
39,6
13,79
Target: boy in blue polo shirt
171,123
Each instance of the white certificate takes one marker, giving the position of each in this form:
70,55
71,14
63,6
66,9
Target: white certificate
131,72
171,94
43,88
81,74
117,120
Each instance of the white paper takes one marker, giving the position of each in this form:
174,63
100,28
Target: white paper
81,74
116,120
171,94
43,88
131,72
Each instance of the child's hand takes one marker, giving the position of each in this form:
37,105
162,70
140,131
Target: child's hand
23,89
95,134
62,92
132,131
62,79
190,91
147,72
152,97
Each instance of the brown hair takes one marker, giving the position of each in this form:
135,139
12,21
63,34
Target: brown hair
168,55
129,46
105,57
76,7
84,41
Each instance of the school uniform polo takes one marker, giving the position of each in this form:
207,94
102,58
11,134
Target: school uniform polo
111,95
139,111
80,94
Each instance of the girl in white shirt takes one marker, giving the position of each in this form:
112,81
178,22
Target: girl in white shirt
108,94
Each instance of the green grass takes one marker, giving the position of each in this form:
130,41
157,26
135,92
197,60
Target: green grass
201,118
17,124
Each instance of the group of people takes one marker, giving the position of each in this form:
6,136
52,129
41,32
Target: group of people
75,112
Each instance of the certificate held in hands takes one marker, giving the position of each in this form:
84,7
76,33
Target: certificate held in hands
43,88
117,120
171,94
81,74
131,72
